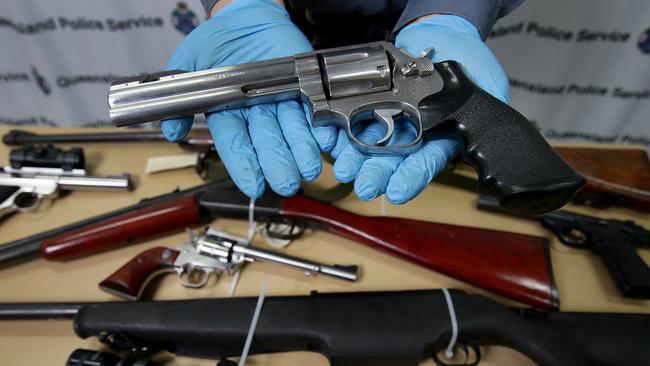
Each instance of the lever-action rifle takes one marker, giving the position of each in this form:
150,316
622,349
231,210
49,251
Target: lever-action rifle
355,329
509,264
615,241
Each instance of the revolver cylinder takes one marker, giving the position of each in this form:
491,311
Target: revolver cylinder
359,71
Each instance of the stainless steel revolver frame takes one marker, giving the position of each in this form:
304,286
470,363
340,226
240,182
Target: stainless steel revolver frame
346,86
214,252
357,84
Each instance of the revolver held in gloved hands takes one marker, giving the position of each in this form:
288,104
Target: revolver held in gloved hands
350,85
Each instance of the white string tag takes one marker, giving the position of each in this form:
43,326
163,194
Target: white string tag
449,352
383,205
251,234
251,220
256,316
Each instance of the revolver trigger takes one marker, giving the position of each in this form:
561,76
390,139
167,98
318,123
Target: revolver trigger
387,117
193,276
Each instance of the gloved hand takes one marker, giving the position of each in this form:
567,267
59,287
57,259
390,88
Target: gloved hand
403,178
272,141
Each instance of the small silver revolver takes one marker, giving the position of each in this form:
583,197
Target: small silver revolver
214,252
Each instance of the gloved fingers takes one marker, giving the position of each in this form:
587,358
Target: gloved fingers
273,154
349,160
302,145
419,168
325,137
455,38
234,146
342,143
374,176
175,129
375,173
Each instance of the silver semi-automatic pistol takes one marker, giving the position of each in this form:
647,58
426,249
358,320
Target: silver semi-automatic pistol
36,173
347,86
214,252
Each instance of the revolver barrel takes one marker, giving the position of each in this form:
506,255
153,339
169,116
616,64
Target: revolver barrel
178,93
348,273
233,249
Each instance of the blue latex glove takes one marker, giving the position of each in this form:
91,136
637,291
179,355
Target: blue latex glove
272,141
403,178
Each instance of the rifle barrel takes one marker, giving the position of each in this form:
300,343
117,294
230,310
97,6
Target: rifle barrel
33,311
19,137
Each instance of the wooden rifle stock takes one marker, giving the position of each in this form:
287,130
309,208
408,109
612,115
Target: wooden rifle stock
136,226
509,264
615,177
513,265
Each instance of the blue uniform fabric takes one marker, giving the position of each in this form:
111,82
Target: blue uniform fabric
482,13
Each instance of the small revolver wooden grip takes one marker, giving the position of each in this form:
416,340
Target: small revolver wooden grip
130,280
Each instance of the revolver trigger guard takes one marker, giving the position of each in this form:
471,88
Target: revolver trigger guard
187,273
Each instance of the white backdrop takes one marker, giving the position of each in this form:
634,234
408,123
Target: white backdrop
58,57
580,69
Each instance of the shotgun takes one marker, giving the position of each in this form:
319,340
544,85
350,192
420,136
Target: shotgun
513,265
397,328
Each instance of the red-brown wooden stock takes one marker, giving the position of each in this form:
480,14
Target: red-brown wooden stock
144,224
513,265
131,278
615,177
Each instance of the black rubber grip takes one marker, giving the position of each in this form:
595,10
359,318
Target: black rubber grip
511,157
630,272
7,191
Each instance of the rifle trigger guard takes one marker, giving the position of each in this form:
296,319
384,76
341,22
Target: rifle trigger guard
121,342
468,348
226,362
284,229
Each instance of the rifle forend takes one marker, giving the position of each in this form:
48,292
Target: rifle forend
373,328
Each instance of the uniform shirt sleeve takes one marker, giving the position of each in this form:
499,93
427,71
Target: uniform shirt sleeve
208,4
482,13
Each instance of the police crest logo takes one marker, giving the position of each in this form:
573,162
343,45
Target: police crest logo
184,19
644,41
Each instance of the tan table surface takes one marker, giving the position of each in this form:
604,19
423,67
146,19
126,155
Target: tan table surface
583,282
